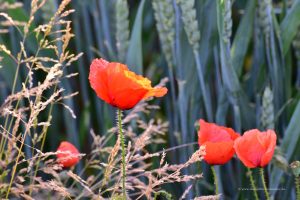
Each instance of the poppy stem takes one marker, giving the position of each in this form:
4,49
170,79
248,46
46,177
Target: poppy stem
119,113
261,170
253,184
297,182
215,179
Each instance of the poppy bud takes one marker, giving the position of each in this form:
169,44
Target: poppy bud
68,155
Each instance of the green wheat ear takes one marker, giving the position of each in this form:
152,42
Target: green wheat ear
227,15
264,14
122,28
190,22
165,18
267,117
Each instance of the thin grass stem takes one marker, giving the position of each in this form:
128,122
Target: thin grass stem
16,164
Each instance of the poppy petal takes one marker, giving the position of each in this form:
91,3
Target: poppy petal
122,101
212,132
255,148
267,157
117,85
156,92
98,79
218,153
241,151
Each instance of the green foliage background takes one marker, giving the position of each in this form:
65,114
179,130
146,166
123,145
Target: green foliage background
233,63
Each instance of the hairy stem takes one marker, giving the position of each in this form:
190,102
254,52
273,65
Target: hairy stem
253,184
119,113
215,179
261,171
297,183
162,193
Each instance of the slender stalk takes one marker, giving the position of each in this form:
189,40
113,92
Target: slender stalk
2,145
215,180
119,113
3,139
205,92
297,183
253,184
162,193
261,171
44,133
16,165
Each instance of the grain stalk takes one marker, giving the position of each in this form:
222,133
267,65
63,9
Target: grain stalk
273,58
191,28
165,18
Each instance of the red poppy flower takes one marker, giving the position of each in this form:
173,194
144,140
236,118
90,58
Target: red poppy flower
218,142
69,155
256,148
119,87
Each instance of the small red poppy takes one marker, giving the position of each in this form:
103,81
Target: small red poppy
118,86
256,148
218,142
68,155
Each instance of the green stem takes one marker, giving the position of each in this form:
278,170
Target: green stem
261,171
163,193
3,139
297,182
253,184
44,134
215,179
16,164
2,145
123,151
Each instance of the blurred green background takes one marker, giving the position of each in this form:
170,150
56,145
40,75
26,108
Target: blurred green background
233,63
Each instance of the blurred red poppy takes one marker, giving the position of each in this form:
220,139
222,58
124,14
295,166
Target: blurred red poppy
218,142
118,86
256,148
69,155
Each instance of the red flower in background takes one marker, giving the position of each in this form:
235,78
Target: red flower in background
69,155
256,148
118,86
218,142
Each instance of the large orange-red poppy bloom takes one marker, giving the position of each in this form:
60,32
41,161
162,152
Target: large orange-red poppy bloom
218,142
256,148
68,155
118,86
